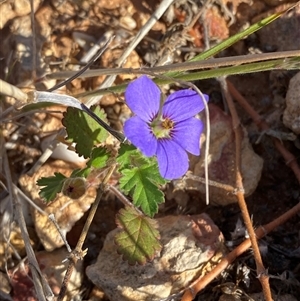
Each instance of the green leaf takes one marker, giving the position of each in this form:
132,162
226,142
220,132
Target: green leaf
139,239
53,186
83,130
80,172
140,178
128,155
99,158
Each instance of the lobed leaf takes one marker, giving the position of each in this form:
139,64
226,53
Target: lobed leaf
140,178
126,155
99,158
84,130
53,186
84,172
139,239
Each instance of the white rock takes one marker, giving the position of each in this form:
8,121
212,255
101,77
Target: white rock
189,242
12,9
61,151
222,161
291,115
66,211
128,22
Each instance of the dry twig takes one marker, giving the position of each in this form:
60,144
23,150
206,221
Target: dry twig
78,253
261,231
41,285
260,270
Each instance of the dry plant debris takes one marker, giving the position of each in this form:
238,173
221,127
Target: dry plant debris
62,33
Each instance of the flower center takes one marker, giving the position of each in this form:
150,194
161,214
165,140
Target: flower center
162,128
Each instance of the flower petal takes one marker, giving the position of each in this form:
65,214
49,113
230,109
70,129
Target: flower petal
183,104
172,159
187,134
139,134
143,98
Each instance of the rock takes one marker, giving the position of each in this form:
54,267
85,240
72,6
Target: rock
189,242
52,268
66,211
19,43
128,22
10,10
96,295
13,243
5,287
278,35
291,115
218,30
222,160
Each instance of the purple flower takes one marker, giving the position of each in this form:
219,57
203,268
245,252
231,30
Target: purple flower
166,129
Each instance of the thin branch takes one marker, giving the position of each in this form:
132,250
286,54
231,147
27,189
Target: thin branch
81,71
260,269
185,66
262,231
122,197
78,253
289,157
42,288
227,188
47,152
34,52
51,216
12,91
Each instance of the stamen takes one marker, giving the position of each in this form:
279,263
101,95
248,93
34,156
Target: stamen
168,124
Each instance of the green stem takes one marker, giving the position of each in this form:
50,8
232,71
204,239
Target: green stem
290,63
